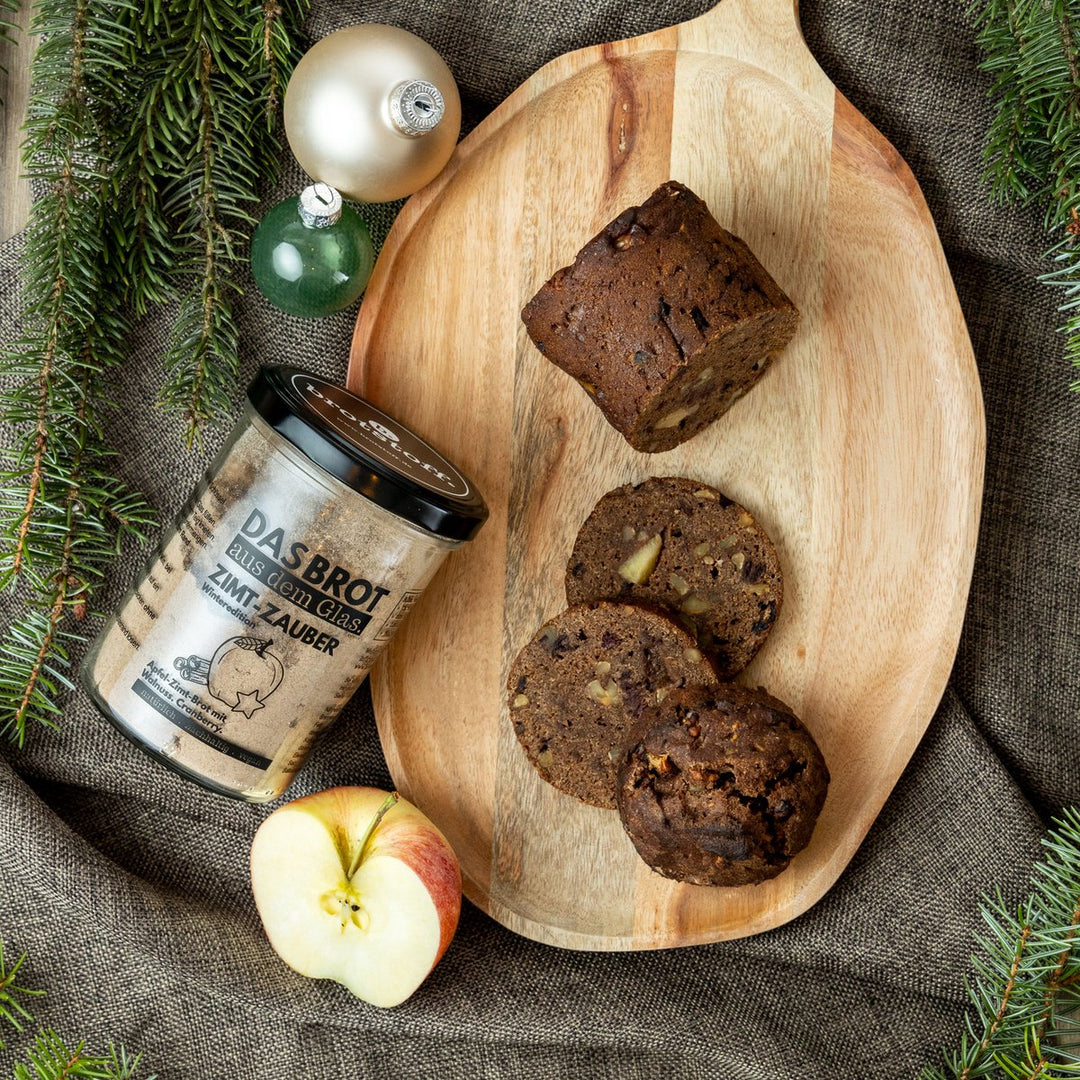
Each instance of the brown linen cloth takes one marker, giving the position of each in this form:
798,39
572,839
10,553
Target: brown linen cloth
128,886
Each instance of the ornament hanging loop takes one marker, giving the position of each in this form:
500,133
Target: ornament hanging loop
416,107
319,206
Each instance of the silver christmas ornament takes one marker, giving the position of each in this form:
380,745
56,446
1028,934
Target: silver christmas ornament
373,111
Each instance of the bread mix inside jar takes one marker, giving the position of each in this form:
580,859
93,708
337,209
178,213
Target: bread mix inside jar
308,541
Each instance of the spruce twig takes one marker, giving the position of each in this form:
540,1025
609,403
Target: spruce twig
50,1058
273,38
63,512
202,360
12,1007
192,161
1025,991
1032,149
150,130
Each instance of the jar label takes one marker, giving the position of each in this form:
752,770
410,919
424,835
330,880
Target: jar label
381,437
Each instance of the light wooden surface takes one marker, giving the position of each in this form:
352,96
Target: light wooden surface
861,451
14,84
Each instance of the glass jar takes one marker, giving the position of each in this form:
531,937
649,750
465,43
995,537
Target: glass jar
309,539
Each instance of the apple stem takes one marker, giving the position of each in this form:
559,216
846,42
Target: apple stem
387,803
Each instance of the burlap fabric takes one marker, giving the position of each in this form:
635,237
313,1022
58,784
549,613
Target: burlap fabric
128,886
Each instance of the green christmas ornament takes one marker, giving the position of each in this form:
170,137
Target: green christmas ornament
312,256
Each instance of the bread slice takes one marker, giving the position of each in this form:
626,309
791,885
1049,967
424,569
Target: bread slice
577,689
684,546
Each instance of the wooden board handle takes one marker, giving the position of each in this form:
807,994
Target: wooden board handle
765,33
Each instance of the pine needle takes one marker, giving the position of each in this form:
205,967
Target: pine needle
12,1006
1025,987
1032,149
50,1058
150,130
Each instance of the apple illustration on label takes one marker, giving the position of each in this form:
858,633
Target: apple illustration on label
356,885
243,673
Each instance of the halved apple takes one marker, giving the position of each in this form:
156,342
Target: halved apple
357,885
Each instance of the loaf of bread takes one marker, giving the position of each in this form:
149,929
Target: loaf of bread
682,545
577,689
664,318
722,787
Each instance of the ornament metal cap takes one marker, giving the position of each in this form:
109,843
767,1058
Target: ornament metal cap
319,206
416,107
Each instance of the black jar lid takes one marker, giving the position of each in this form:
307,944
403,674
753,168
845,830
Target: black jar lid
367,450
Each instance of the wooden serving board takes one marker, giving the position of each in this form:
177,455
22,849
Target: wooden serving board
861,451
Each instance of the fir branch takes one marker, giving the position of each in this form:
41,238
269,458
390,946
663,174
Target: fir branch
190,166
150,129
1025,991
1032,149
32,673
274,51
12,1008
49,1058
63,513
273,40
1010,169
202,361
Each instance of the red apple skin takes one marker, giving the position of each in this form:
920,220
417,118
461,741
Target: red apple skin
408,834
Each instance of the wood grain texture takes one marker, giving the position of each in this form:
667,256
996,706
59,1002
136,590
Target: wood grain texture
861,451
14,90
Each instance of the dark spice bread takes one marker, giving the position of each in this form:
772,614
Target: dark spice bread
685,546
577,689
664,318
723,788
